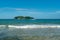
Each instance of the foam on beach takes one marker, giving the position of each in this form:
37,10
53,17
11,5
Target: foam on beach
35,26
30,26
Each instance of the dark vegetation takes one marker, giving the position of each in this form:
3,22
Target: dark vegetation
23,17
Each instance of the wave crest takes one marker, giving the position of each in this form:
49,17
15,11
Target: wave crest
30,26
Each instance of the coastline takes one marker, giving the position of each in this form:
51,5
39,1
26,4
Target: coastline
30,26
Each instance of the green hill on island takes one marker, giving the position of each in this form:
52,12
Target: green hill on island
23,17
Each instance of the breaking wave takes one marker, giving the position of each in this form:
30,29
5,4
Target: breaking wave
28,30
29,26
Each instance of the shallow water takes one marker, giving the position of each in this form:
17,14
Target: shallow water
43,29
30,34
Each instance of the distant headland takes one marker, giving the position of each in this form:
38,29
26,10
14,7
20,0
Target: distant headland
23,17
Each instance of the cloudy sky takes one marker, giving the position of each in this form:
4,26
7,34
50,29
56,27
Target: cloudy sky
39,9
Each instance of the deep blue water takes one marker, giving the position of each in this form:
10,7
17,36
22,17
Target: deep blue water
37,21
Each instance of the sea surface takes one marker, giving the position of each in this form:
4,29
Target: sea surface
43,28
34,21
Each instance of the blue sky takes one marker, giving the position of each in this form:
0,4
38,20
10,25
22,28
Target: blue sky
39,9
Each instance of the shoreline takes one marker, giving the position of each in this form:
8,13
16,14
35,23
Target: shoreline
30,26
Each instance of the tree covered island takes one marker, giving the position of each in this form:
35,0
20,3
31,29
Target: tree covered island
23,17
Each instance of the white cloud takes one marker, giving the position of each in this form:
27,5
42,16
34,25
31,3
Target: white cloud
11,12
21,9
35,12
57,11
16,9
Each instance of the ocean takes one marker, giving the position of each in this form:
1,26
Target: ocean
37,29
34,21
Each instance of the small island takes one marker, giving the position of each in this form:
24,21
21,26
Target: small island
23,17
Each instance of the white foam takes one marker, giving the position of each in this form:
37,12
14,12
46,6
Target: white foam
2,27
35,26
30,26
26,26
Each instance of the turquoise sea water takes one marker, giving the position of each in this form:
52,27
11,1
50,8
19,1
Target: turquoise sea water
37,21
8,28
